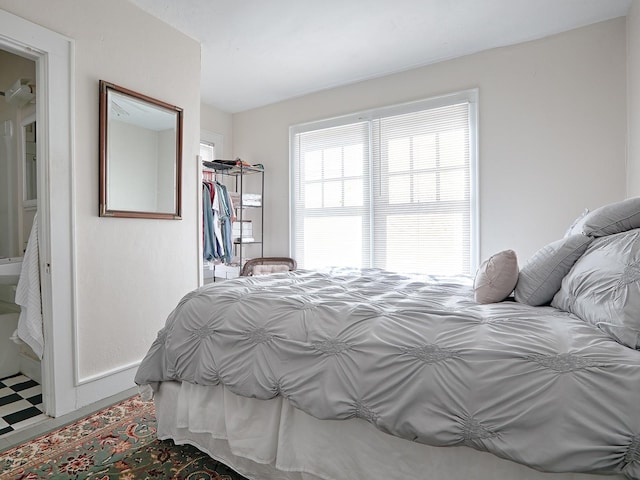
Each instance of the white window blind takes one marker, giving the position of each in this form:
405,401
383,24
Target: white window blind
391,188
207,151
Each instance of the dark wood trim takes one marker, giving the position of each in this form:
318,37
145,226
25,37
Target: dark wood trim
104,210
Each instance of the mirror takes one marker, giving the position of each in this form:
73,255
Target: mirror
29,165
140,155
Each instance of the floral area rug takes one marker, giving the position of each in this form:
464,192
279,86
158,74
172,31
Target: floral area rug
118,442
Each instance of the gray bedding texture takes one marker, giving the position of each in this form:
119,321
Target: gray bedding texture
551,381
418,358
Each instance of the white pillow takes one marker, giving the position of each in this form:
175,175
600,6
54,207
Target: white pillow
603,287
268,269
496,277
578,223
542,275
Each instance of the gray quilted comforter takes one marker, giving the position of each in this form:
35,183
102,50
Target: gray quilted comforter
417,358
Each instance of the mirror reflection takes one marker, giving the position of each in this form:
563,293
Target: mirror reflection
30,163
141,144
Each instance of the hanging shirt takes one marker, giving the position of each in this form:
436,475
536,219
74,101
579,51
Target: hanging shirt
225,220
209,248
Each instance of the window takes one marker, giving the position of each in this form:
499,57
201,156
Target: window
207,151
392,188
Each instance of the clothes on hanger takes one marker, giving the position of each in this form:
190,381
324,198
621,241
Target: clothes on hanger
208,240
218,217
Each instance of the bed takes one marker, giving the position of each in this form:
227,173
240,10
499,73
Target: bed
357,374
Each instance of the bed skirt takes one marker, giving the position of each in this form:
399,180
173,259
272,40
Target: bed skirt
270,439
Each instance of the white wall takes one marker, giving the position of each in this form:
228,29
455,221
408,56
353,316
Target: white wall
129,273
552,132
633,98
216,121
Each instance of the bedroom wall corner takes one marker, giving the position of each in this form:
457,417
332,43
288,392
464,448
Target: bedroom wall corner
552,132
633,100
217,121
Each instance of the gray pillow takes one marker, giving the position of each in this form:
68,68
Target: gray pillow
613,218
496,277
541,277
603,287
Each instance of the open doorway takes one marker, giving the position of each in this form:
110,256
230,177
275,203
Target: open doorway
20,362
52,55
18,196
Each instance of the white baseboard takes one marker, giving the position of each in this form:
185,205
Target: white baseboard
95,390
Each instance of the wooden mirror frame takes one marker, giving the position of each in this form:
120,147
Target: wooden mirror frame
107,210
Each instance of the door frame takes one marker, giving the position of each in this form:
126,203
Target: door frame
53,54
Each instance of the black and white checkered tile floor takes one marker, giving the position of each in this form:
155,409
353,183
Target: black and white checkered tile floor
20,403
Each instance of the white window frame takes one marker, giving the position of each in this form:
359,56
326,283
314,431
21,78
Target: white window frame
467,96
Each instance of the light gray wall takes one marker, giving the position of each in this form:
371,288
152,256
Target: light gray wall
633,97
143,177
552,132
166,184
216,121
129,273
132,178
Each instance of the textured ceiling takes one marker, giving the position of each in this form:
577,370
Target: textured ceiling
257,52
